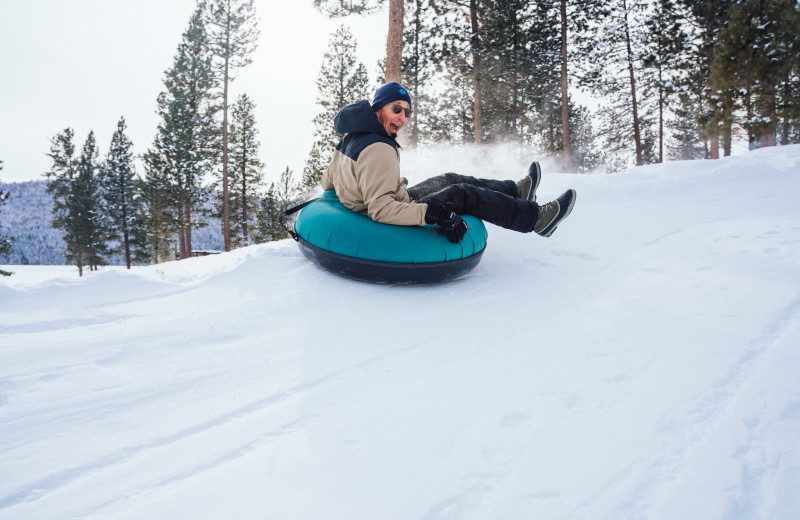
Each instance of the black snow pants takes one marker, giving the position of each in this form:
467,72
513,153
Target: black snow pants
489,200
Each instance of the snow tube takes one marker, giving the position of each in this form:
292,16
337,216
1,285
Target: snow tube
353,245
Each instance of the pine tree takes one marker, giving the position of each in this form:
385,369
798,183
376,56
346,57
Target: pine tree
705,19
341,81
787,47
584,154
755,55
451,116
61,173
455,26
453,47
184,149
508,51
686,143
614,63
5,242
664,49
233,39
278,197
507,62
317,161
86,226
61,176
122,196
581,139
268,226
160,219
577,34
418,68
246,175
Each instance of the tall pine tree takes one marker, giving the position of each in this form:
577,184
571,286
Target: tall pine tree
160,219
664,50
60,180
246,171
452,112
418,67
233,39
503,58
61,173
456,27
86,225
686,141
576,30
755,55
341,80
614,64
705,19
278,197
122,197
185,147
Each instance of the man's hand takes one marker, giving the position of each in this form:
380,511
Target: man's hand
450,222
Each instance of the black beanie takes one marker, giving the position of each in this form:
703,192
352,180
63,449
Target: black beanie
389,92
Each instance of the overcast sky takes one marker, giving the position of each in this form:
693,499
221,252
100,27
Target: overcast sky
85,63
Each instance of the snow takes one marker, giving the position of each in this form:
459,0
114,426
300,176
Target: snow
641,363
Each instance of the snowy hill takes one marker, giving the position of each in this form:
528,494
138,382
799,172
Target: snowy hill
641,363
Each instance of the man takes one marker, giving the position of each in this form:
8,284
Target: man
365,172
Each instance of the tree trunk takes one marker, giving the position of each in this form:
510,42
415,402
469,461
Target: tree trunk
127,240
226,226
476,75
564,90
709,40
636,132
515,109
188,227
768,112
713,144
394,41
660,116
125,236
727,136
660,128
244,197
181,236
787,93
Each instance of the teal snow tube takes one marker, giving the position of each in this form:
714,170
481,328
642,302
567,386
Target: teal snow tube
353,245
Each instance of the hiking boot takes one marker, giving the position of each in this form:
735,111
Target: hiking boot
552,213
526,188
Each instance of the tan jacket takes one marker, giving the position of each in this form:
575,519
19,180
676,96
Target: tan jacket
365,170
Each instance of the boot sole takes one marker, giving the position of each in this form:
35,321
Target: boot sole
535,173
565,204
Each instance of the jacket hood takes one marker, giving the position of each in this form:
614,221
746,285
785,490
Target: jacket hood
358,118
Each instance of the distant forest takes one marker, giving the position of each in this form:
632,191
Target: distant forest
26,217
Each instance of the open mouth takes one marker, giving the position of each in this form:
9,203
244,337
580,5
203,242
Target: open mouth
394,128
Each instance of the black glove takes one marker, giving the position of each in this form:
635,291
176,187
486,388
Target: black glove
450,222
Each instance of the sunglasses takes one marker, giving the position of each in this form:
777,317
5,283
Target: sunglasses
397,109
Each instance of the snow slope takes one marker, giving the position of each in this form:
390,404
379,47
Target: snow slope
641,363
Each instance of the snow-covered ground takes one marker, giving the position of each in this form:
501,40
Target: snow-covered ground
641,363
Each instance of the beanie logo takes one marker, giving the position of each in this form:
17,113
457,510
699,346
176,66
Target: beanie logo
403,91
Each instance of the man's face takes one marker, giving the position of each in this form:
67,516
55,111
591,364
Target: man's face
389,120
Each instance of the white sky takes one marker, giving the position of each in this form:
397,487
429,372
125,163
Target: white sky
85,63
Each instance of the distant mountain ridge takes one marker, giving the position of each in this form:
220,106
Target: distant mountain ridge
27,217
